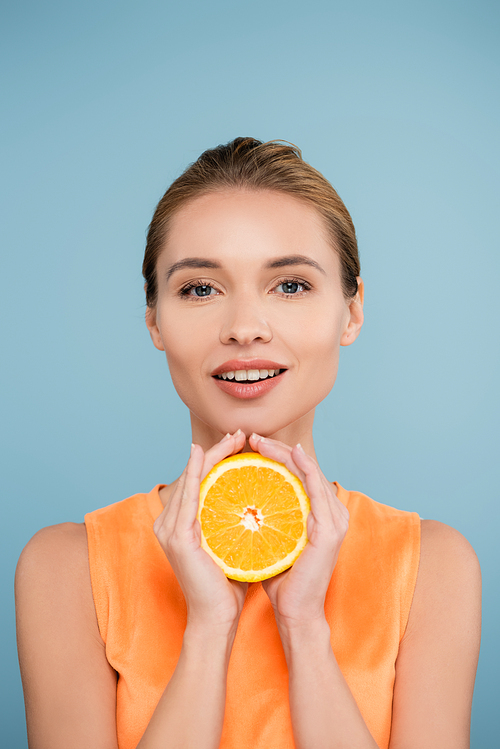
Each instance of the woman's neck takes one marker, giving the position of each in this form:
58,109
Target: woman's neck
299,431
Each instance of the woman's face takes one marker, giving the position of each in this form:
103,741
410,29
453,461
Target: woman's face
248,283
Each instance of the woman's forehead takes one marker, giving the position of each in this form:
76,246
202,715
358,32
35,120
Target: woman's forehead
258,205
259,225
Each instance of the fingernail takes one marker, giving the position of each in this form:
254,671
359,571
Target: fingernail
255,436
300,448
192,448
237,434
226,437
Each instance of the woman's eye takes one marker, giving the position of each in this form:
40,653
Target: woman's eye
292,287
288,287
198,290
202,290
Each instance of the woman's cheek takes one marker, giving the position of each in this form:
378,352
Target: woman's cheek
324,351
183,351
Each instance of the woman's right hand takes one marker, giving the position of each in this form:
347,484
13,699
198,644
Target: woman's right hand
212,599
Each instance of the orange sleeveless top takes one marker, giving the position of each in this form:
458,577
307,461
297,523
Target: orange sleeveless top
141,613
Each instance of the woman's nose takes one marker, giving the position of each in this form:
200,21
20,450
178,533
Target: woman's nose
244,323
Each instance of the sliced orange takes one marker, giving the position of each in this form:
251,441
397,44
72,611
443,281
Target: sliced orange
253,513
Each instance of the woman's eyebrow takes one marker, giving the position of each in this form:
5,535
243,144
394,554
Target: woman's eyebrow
191,262
281,262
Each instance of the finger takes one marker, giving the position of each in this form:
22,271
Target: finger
339,511
280,452
255,438
220,451
190,495
330,498
167,519
316,489
228,445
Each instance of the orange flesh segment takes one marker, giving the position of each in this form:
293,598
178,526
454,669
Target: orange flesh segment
271,505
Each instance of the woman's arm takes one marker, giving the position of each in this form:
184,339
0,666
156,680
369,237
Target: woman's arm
437,661
190,713
435,669
69,686
324,713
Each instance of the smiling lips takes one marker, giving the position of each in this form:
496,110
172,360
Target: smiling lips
248,379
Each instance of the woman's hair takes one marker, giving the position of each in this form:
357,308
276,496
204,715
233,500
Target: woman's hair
250,164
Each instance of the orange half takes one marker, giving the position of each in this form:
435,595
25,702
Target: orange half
253,516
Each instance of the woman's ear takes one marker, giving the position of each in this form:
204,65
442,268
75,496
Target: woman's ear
356,316
152,326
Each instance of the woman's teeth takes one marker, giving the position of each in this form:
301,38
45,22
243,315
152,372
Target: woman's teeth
249,374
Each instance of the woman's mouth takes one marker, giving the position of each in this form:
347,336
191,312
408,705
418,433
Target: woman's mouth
249,383
249,375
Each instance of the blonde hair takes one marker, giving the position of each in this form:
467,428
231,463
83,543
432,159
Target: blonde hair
251,164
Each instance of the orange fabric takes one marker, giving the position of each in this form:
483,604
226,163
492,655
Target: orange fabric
142,616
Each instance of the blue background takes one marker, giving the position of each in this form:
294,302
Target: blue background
397,104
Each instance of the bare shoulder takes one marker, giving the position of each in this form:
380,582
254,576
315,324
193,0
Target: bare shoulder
439,538
53,588
448,564
69,686
51,545
54,563
437,660
448,584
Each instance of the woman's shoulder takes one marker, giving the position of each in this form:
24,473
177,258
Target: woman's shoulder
446,556
54,567
61,652
52,584
58,555
439,536
448,586
54,548
437,659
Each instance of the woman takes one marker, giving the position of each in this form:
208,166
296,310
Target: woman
130,635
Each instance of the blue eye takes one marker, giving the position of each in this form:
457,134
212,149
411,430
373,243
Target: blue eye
287,288
202,290
290,287
197,290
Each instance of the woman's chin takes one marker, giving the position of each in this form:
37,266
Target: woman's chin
209,428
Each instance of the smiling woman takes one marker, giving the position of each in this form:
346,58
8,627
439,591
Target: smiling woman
250,311
129,633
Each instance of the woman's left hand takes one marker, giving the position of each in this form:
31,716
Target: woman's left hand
298,594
